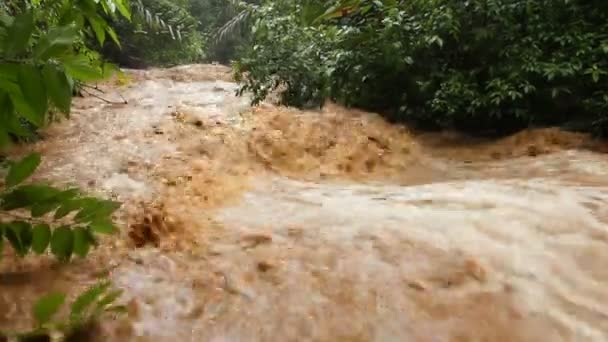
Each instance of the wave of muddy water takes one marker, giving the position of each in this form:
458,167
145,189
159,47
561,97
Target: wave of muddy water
271,224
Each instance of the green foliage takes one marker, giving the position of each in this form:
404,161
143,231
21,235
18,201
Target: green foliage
88,307
225,25
22,170
47,306
42,55
167,32
161,33
475,65
76,236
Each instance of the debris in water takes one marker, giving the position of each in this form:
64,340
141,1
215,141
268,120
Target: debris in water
417,285
253,240
264,266
475,270
150,229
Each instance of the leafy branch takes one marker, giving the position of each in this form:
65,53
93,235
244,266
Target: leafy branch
42,56
89,215
87,308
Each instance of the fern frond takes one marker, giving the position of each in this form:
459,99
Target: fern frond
234,24
156,22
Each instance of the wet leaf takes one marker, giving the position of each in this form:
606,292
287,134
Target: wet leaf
47,306
22,169
28,195
58,88
95,210
62,243
81,68
19,32
86,299
19,234
98,25
34,92
82,242
114,36
103,227
41,238
55,42
66,208
123,8
41,209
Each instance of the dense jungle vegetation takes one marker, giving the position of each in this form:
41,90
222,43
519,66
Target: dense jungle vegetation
477,65
483,66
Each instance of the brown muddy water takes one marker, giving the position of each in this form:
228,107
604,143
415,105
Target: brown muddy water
273,224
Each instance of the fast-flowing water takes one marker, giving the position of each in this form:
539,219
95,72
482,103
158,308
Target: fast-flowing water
272,224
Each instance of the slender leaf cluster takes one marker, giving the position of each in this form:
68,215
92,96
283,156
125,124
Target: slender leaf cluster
87,215
162,32
86,308
42,55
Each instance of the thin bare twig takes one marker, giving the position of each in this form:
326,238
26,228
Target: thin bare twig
23,217
96,87
106,100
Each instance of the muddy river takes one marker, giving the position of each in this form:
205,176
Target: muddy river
274,224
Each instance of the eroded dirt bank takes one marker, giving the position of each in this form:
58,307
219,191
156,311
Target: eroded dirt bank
272,224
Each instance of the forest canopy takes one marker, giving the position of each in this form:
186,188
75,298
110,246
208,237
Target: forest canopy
478,65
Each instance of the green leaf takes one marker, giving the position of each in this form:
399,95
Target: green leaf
58,87
41,209
9,118
105,4
86,299
82,68
113,35
5,20
67,194
62,243
19,32
47,306
9,71
19,234
5,139
94,209
22,170
41,238
66,208
26,236
25,109
98,25
107,300
82,242
109,69
10,121
103,227
28,195
55,42
123,8
32,87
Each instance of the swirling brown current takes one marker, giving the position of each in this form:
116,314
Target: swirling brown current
273,224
